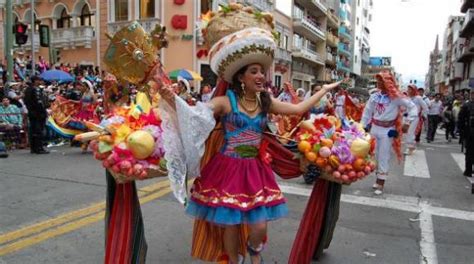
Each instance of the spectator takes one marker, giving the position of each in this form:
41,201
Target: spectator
449,122
206,93
11,121
435,108
286,95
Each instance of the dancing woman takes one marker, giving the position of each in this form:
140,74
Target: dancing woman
237,186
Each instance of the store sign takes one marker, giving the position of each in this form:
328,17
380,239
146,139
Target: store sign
380,61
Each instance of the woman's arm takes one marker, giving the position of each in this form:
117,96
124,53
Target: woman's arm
219,105
279,107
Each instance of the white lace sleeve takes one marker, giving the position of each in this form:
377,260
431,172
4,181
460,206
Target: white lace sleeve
185,131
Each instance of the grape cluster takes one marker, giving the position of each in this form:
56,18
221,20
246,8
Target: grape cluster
312,174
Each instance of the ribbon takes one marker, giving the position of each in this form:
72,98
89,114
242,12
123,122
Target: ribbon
263,152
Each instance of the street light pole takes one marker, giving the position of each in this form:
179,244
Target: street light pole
33,25
9,39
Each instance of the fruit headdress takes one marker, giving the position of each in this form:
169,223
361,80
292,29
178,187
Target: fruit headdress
238,36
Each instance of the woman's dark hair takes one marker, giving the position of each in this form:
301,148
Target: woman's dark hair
236,86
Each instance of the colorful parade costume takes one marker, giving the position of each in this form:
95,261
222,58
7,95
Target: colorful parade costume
70,118
235,183
236,186
383,112
128,139
345,107
417,124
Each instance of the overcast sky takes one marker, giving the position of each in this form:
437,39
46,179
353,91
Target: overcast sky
406,31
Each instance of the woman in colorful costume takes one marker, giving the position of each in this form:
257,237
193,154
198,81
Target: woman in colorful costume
417,123
384,114
236,193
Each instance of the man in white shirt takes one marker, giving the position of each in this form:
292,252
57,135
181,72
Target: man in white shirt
416,125
435,109
421,92
383,113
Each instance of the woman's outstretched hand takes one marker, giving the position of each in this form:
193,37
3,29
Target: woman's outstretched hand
166,92
331,86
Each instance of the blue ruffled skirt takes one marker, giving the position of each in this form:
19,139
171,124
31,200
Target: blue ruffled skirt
229,216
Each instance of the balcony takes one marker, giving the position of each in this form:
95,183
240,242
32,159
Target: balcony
148,25
70,38
343,15
365,56
283,55
466,51
456,72
310,56
333,20
345,33
309,29
262,5
466,5
344,49
330,59
332,40
468,27
316,7
344,66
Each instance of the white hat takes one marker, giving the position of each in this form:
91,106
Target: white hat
239,36
185,82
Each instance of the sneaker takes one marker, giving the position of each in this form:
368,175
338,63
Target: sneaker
378,192
376,186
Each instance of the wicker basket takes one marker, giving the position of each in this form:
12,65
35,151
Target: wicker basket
152,173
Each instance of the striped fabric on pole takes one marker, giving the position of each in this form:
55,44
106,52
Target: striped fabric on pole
124,231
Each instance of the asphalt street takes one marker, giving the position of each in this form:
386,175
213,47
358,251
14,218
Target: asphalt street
52,212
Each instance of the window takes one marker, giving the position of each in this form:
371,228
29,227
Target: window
65,20
147,8
86,18
206,5
370,18
357,21
355,60
278,81
285,41
121,10
358,2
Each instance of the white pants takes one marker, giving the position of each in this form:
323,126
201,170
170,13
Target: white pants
411,134
340,112
383,150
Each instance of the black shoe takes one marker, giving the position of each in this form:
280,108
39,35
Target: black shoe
467,174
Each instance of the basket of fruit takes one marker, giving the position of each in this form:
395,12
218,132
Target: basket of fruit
335,150
129,143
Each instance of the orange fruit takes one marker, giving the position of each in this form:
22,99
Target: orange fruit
321,162
326,142
311,156
304,146
358,164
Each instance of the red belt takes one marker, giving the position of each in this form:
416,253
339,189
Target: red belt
380,123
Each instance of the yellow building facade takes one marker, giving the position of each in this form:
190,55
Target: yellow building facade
78,30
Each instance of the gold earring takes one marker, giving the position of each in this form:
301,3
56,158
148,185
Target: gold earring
242,85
